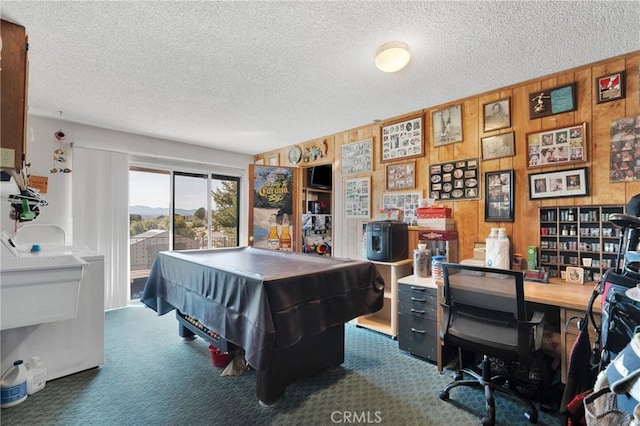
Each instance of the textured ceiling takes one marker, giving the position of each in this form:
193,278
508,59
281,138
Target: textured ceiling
254,76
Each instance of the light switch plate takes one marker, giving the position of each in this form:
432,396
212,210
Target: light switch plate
7,157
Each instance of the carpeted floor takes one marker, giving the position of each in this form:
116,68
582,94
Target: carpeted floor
152,376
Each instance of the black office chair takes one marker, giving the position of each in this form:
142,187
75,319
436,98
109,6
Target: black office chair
484,312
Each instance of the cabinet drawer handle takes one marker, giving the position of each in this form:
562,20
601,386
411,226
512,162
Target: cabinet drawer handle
415,311
418,288
414,299
418,331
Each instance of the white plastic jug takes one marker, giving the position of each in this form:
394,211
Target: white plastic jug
13,388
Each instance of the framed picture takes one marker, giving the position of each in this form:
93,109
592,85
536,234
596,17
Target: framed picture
455,180
574,275
259,161
447,125
557,146
625,149
610,87
497,115
274,160
565,183
403,139
357,198
498,205
552,101
401,176
408,202
357,157
498,146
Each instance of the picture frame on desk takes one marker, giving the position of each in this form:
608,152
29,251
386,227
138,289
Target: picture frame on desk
575,275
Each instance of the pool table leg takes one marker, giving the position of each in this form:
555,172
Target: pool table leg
309,355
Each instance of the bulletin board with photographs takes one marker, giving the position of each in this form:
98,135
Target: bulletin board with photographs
401,176
559,146
357,157
403,139
625,149
357,198
455,180
407,202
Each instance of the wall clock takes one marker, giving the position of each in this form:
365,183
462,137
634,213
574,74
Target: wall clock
295,154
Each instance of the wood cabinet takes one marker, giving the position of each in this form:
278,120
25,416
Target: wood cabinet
386,319
570,234
13,107
417,317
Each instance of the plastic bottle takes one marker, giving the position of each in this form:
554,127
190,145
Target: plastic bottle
13,389
273,241
285,236
421,257
36,375
436,266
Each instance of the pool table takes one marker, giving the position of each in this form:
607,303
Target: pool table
285,310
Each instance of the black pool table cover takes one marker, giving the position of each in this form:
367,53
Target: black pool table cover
261,299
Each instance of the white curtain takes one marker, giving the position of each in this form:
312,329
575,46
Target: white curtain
100,213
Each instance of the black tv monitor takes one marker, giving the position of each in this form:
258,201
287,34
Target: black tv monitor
319,177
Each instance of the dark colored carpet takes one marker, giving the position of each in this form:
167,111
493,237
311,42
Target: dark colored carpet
152,376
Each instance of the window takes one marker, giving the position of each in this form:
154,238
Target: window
204,210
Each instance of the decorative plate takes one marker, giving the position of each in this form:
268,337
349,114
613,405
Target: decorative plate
295,155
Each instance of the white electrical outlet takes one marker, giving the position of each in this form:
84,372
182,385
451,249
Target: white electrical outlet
7,157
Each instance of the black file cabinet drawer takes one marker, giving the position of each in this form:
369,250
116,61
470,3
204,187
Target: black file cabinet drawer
417,320
418,336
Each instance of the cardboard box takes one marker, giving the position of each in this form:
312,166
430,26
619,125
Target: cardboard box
433,212
479,251
532,257
441,224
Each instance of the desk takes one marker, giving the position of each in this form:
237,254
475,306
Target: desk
286,310
571,299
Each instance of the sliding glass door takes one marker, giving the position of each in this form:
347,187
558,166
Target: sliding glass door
173,210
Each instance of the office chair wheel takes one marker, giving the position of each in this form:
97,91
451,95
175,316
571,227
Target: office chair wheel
488,422
532,417
444,395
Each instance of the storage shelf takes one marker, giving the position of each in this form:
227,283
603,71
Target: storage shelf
592,228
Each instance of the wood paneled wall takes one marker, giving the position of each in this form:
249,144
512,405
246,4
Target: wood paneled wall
469,215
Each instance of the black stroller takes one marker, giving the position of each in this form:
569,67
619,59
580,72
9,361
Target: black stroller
620,314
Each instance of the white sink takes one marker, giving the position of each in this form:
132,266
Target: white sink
36,289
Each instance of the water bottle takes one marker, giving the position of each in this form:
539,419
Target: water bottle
36,375
13,389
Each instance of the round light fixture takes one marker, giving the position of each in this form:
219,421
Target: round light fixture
392,56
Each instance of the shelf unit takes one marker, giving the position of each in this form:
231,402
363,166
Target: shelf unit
316,234
570,234
386,319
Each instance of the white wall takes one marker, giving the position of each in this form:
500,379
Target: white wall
152,152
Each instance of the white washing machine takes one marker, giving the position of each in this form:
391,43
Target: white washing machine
68,346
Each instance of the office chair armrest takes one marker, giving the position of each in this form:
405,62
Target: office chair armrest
537,320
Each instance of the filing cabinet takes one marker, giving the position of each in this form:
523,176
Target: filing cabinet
417,320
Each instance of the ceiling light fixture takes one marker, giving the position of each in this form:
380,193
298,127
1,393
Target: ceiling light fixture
392,56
